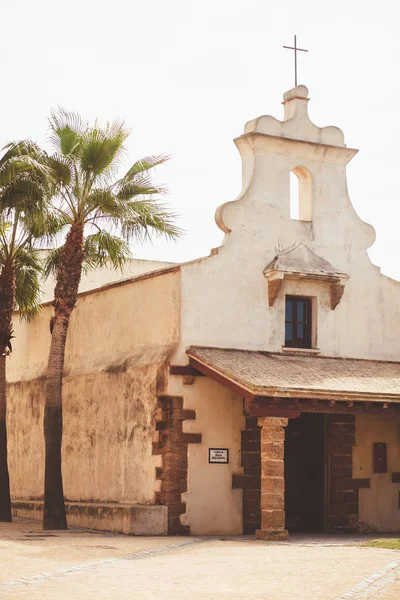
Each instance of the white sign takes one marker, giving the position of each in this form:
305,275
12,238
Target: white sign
218,456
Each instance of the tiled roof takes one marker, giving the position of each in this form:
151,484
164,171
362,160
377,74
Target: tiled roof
282,375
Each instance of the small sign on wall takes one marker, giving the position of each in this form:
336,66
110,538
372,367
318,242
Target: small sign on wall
219,456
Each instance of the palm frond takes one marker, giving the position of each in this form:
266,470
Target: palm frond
103,248
142,187
44,224
12,169
145,164
21,148
104,201
101,147
24,193
60,169
67,129
28,269
51,262
147,218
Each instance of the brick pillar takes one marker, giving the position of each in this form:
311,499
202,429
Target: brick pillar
272,479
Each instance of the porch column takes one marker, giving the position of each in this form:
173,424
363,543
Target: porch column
272,479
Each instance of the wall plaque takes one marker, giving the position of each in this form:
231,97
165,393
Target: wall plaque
218,456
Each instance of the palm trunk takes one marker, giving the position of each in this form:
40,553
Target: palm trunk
7,296
68,278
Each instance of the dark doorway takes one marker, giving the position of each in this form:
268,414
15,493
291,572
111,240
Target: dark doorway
305,473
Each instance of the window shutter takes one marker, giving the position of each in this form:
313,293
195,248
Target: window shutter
380,458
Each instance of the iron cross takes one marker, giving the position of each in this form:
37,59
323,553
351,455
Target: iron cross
296,50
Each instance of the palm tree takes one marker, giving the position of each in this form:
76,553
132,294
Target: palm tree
103,214
22,222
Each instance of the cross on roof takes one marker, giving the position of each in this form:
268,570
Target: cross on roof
296,50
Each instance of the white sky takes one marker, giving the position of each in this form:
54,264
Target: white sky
186,76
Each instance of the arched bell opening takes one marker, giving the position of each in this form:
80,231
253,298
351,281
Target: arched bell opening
300,194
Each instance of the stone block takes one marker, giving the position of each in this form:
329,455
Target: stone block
175,485
252,494
184,414
351,496
273,485
342,449
272,422
339,471
337,520
343,428
170,402
272,519
250,435
191,438
336,496
176,509
168,497
132,519
359,483
342,460
250,459
269,434
272,536
343,439
272,501
274,450
344,484
251,508
271,468
251,446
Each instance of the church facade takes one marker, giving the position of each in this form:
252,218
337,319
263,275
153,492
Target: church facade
256,390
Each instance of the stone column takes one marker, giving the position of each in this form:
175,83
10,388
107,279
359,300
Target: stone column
272,479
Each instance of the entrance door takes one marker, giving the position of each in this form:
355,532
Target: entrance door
305,473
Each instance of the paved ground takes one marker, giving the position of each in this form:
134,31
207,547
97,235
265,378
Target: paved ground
86,565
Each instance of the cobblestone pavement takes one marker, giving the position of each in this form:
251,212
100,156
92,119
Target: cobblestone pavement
88,565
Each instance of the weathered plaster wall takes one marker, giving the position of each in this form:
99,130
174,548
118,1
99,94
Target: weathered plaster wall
118,344
98,277
379,505
212,506
224,296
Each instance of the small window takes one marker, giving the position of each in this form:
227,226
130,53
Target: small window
380,458
298,322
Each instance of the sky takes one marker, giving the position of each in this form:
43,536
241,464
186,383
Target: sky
186,76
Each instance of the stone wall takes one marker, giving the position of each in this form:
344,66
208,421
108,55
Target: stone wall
250,481
343,490
172,445
116,366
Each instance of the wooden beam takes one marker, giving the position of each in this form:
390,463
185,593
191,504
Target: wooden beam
264,406
272,412
184,370
251,407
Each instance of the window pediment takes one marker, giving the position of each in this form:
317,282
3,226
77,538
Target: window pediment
302,263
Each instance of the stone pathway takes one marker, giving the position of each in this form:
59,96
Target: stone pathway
88,565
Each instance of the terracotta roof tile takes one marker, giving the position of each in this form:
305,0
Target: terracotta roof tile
272,374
